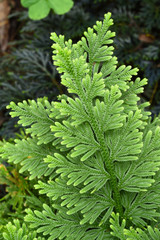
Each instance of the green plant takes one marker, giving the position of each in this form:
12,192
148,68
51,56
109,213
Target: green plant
16,186
96,152
18,232
39,9
19,194
16,193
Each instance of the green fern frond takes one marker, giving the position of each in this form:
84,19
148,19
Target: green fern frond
139,175
122,233
81,138
35,116
95,44
130,97
79,172
75,109
63,226
30,155
139,234
117,228
79,200
17,232
120,76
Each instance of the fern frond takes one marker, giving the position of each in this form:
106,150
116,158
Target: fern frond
95,44
117,228
98,146
74,108
139,234
17,232
97,51
108,114
120,231
120,76
79,172
137,176
94,207
141,207
130,97
123,139
63,226
63,59
34,115
81,138
29,155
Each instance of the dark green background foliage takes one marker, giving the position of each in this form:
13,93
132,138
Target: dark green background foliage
27,71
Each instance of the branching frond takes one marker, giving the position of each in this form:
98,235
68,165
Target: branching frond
29,155
79,172
120,76
81,138
94,207
117,228
63,226
96,44
17,232
130,97
122,233
139,234
35,116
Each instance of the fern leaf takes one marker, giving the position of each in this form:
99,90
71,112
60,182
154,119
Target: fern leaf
139,176
120,76
79,172
99,147
74,108
109,113
118,230
81,138
139,234
95,44
141,207
78,200
29,155
17,232
63,226
34,115
132,234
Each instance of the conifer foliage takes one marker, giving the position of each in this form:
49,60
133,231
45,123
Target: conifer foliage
96,151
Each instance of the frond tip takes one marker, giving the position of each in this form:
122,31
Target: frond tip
17,232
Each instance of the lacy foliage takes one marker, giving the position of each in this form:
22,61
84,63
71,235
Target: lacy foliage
95,151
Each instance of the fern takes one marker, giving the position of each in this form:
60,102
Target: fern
122,233
95,151
36,117
17,232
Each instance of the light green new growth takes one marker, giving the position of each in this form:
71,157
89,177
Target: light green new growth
96,151
18,232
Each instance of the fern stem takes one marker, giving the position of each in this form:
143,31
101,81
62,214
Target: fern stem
105,155
113,179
